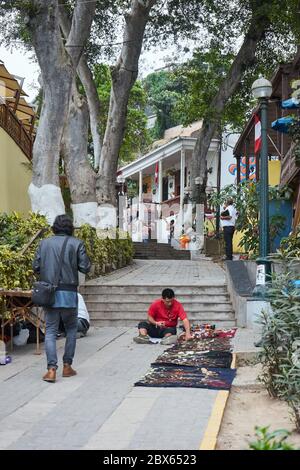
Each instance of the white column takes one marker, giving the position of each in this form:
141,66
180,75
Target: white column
160,181
182,168
140,186
182,172
159,200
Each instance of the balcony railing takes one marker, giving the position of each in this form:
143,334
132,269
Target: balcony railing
11,124
288,167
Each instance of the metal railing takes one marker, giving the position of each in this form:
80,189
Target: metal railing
14,128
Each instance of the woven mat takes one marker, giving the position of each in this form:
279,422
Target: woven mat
192,377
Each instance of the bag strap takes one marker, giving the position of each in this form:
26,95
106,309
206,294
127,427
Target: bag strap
62,254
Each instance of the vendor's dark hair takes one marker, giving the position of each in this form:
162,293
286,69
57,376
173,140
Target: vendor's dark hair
63,224
168,294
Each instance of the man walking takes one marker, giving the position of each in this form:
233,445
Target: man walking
163,315
46,264
228,219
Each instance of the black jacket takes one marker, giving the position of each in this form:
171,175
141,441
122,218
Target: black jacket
46,261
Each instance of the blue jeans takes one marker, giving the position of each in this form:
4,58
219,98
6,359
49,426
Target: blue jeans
69,319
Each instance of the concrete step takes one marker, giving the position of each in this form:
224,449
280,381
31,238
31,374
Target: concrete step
161,256
143,307
130,323
148,298
140,316
155,291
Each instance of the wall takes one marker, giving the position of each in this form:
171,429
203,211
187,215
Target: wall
14,177
274,179
227,159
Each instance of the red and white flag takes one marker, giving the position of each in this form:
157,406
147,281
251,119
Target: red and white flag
156,174
257,132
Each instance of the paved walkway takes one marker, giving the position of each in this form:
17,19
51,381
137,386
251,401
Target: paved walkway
164,272
99,408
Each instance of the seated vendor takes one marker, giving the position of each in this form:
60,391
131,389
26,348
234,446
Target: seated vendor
162,321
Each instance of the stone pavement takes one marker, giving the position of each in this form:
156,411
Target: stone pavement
166,272
99,408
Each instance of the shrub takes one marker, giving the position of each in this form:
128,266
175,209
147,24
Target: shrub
275,440
280,355
17,231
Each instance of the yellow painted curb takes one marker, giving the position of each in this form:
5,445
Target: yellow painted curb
209,440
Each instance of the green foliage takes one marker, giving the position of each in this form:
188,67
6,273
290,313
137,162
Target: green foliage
280,341
294,131
16,231
136,138
105,248
202,76
275,440
164,89
290,246
246,201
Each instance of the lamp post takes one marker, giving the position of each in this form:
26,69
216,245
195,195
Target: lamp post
262,90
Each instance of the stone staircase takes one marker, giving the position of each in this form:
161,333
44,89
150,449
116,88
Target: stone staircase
126,305
154,250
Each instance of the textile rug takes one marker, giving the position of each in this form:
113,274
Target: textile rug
198,363
190,358
193,377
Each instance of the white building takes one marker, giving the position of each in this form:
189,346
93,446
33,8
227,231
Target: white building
159,183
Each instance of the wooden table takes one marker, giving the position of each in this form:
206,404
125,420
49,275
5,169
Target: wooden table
19,305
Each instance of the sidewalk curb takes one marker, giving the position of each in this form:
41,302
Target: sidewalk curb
209,440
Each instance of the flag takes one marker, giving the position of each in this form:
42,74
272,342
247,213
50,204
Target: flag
156,174
257,132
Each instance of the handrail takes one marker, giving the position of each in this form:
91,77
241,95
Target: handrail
14,128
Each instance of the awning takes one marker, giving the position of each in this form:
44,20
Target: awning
282,124
12,95
292,103
9,86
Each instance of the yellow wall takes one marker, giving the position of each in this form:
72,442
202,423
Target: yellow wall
274,172
14,177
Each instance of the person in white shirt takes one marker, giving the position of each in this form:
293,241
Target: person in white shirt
83,317
228,218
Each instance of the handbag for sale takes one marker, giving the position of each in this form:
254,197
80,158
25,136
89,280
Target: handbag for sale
43,293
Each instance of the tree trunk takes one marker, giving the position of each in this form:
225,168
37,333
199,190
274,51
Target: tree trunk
90,88
124,75
57,74
244,59
80,175
94,105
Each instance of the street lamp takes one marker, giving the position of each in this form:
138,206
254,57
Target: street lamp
262,90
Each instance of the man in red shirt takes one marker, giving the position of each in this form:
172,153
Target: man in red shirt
163,316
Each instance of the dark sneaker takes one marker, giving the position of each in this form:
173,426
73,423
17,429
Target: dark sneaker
169,340
142,339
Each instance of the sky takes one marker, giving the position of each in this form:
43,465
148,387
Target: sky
19,62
